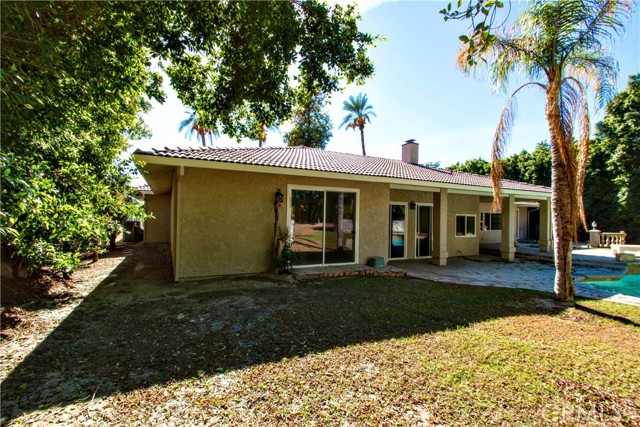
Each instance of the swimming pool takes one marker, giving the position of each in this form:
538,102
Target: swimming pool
628,284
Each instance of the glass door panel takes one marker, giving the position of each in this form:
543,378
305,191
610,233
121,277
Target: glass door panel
423,232
397,230
323,226
340,227
308,225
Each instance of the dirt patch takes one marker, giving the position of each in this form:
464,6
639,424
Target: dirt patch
32,308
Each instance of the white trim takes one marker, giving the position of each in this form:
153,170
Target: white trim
390,231
475,225
356,228
430,205
280,170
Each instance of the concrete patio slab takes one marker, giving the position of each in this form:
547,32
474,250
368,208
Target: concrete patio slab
486,270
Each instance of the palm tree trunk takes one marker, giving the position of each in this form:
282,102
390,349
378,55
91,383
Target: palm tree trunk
563,231
364,153
561,200
204,141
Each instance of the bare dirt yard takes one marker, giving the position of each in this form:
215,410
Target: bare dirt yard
121,344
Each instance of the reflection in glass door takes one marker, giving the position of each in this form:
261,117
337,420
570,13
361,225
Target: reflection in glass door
423,231
323,226
397,230
339,232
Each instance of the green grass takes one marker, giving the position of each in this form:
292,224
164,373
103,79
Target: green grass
345,352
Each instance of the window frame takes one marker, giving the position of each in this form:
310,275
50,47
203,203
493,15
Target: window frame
466,225
324,189
487,221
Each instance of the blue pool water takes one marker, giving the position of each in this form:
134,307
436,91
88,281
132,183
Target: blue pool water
627,285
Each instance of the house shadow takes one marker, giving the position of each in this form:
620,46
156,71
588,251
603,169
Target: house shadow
139,329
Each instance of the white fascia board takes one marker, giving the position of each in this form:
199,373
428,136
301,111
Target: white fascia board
394,182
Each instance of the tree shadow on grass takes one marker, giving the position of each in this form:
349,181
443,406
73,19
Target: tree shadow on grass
605,315
137,328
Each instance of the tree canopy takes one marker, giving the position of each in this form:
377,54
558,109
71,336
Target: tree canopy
612,185
534,167
77,75
311,124
484,20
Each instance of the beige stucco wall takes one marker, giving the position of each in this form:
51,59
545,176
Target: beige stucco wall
226,220
463,204
158,228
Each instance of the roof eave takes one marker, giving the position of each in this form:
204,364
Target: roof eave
247,167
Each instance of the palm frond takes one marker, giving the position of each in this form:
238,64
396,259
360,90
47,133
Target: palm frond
594,22
582,114
501,139
188,122
598,71
359,111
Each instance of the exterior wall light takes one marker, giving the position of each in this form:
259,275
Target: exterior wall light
279,196
412,205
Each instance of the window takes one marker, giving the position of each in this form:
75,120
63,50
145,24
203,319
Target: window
490,221
465,225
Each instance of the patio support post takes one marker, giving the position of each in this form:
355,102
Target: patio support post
545,243
177,193
507,245
440,217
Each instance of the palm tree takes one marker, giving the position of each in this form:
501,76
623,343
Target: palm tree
559,47
264,129
359,113
191,125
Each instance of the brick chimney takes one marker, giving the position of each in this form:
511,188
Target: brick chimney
410,151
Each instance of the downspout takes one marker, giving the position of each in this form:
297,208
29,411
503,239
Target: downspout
178,236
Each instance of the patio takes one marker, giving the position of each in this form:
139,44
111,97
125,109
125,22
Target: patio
531,269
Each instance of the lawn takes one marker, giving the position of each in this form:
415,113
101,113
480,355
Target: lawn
358,351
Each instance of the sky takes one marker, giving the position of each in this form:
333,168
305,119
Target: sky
416,93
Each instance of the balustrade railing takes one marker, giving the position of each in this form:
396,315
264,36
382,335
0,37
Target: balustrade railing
608,239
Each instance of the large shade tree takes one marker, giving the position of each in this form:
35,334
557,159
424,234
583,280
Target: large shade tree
560,47
76,76
612,190
534,167
359,112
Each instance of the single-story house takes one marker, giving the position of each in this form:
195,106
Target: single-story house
216,207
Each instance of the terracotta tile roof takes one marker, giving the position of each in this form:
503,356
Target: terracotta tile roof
330,161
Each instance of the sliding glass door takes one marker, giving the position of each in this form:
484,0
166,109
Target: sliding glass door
323,226
423,231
